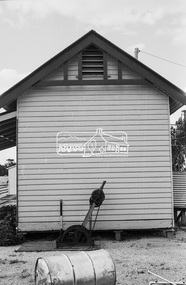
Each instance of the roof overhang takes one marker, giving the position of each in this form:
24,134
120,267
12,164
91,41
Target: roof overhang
176,95
7,130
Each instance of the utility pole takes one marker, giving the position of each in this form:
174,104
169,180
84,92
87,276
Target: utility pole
136,52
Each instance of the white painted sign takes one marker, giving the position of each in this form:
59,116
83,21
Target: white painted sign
87,144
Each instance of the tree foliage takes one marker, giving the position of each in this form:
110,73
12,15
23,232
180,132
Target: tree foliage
4,168
178,140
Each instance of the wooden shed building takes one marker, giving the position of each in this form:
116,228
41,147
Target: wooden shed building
89,114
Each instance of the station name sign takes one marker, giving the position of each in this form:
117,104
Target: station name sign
87,144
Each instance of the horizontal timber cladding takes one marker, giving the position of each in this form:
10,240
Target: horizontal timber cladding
59,131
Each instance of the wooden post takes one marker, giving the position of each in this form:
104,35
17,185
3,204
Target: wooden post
118,235
61,213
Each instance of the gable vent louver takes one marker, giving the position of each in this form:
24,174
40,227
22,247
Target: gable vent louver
92,63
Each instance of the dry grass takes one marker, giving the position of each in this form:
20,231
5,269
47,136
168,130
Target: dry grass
137,253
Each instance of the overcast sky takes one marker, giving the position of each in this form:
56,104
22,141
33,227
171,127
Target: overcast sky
33,31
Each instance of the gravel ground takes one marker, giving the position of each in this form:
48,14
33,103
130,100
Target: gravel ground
137,253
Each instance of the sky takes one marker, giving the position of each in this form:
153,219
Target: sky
33,31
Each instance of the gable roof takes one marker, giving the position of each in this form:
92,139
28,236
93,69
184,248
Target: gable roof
177,96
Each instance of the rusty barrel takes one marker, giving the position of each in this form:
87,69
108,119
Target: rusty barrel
76,268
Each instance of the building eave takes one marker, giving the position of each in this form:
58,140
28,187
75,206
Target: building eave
178,96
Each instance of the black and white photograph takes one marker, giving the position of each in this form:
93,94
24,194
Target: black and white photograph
92,142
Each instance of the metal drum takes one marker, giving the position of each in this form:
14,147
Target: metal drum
77,268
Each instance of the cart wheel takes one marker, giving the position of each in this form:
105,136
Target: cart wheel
76,235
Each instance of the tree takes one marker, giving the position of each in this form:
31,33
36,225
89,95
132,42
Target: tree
4,168
10,162
178,140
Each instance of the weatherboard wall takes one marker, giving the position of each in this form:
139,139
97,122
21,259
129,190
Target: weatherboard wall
138,189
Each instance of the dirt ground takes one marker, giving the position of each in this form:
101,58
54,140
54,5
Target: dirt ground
137,253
